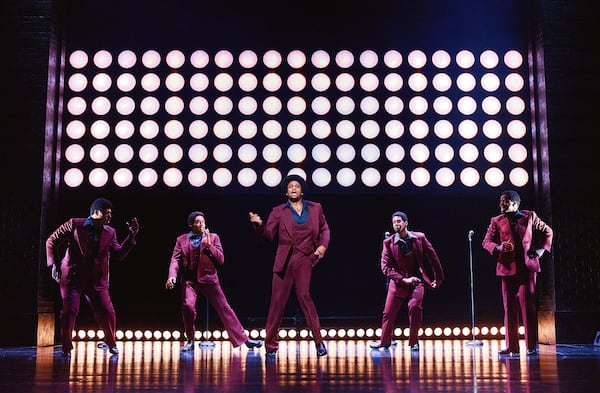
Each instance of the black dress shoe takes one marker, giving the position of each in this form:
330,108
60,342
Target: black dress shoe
532,352
272,353
321,350
114,350
508,351
102,345
188,346
415,347
254,343
379,345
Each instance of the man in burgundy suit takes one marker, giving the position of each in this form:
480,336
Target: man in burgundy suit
519,238
403,260
194,261
90,243
302,236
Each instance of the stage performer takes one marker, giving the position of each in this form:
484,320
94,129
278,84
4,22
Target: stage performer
195,259
303,235
406,258
518,238
84,269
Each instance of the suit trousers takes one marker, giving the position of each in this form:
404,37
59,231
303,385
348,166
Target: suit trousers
216,297
297,273
393,303
518,293
102,308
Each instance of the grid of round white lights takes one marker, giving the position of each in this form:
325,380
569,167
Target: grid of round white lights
338,119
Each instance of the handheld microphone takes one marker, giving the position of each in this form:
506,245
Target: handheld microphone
471,233
387,234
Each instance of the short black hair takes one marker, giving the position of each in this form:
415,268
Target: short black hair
290,178
512,195
100,204
401,215
192,217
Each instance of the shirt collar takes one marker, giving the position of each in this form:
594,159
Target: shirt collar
89,223
409,236
193,235
516,214
304,203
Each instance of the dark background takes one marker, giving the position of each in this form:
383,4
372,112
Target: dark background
348,286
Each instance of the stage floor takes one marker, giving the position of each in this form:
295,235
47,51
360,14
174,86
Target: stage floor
350,366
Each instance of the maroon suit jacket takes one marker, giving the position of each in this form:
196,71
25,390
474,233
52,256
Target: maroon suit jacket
534,234
75,236
210,258
394,266
279,224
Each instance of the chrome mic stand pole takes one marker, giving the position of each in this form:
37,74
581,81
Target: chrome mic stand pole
206,343
473,342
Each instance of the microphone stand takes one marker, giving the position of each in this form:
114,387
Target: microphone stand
206,343
473,342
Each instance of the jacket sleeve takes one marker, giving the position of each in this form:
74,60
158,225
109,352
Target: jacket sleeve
121,250
543,234
492,237
215,250
268,230
176,259
324,232
434,260
59,237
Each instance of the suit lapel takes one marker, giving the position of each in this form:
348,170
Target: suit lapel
419,245
504,223
187,247
395,249
81,239
286,215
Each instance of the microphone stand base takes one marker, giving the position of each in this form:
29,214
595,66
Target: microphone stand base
206,344
474,343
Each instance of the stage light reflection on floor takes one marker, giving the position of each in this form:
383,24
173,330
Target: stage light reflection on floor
350,366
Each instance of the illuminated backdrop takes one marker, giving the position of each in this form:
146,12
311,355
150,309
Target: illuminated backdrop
356,120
